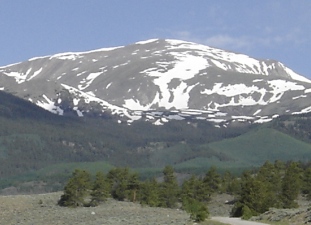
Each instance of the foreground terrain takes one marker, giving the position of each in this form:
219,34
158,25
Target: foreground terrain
42,209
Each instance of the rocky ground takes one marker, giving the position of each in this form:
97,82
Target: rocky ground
221,205
298,216
42,209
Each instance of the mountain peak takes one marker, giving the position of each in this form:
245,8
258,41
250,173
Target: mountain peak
160,80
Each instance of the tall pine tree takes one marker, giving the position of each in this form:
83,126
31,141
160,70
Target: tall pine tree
76,189
291,184
100,189
169,190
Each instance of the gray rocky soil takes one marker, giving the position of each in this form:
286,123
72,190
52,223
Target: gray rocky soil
43,209
296,216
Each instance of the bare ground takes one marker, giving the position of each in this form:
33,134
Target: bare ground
42,209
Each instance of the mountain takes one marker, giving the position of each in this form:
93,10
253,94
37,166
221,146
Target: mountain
158,81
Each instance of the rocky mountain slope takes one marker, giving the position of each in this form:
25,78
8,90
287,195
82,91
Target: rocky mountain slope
160,80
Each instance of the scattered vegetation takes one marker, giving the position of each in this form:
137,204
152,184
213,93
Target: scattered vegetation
124,185
273,185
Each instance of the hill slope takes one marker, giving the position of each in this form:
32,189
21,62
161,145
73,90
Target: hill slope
32,138
256,146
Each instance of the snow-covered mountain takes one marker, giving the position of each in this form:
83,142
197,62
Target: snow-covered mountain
160,80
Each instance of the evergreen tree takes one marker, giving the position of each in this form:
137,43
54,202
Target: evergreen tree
118,179
100,190
291,184
133,187
193,188
149,193
226,181
76,189
253,199
193,195
169,189
270,175
211,182
124,184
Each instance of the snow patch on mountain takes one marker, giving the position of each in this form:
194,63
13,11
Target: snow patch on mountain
232,61
295,76
161,80
66,56
186,67
49,105
85,83
36,73
146,41
19,77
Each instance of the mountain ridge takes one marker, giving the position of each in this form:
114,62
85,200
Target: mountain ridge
159,80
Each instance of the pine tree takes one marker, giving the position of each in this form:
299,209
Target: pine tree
270,175
193,188
211,182
149,193
118,179
226,181
100,190
76,189
133,187
291,184
169,189
124,184
253,199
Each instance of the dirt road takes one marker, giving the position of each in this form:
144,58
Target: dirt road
236,221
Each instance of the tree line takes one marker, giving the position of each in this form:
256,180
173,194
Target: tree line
124,185
275,185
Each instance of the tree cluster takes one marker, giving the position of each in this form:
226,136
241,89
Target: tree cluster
275,185
124,185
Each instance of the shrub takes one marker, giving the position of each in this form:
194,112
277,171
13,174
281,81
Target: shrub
198,211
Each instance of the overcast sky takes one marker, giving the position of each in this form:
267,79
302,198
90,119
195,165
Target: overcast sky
268,29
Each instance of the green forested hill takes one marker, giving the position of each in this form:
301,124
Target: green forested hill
258,145
32,138
35,143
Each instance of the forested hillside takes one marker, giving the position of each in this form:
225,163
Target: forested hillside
298,126
32,138
38,145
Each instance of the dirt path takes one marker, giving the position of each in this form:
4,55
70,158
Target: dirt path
235,221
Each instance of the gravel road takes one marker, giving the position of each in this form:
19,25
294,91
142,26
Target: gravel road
236,221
